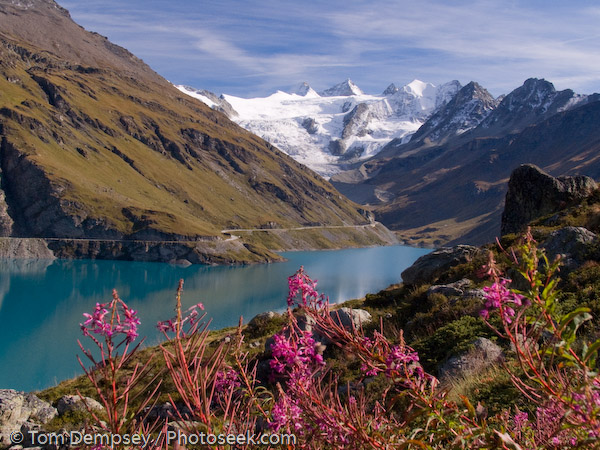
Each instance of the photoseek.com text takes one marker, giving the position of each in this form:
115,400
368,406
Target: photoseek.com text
111,440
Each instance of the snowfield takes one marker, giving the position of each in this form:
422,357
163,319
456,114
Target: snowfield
340,125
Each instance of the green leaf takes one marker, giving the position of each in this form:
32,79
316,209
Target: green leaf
590,354
573,315
549,288
571,322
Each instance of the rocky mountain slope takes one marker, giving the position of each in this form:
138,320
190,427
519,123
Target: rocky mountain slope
94,144
329,130
448,183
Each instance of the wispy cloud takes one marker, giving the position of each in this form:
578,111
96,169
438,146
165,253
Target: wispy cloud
247,48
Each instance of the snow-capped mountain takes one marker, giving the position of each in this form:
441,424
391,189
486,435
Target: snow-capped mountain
340,125
449,181
463,112
210,99
530,103
343,89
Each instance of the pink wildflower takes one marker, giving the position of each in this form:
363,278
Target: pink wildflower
286,414
300,285
191,316
123,320
498,296
400,360
225,380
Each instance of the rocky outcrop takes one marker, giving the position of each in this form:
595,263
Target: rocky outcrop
211,252
351,318
6,222
38,203
574,244
263,318
429,267
533,193
24,248
348,318
18,409
484,354
74,403
461,288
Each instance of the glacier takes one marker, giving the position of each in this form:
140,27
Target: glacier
330,130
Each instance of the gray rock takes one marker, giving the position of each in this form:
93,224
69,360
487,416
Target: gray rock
6,222
572,243
533,193
522,342
26,429
166,411
429,267
310,125
306,322
24,248
474,293
456,289
180,262
17,408
348,317
72,403
262,318
484,354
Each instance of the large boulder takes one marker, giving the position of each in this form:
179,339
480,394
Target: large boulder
74,403
532,193
461,289
429,267
17,409
484,354
574,244
263,318
351,318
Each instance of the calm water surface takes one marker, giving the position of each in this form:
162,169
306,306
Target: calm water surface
42,302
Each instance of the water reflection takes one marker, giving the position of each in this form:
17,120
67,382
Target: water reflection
43,302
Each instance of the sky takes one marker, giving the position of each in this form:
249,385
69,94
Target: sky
254,48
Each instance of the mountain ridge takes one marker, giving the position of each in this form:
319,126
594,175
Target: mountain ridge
341,125
452,191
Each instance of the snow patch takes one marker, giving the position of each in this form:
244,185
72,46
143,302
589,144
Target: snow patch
342,124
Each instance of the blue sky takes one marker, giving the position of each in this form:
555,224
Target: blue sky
251,48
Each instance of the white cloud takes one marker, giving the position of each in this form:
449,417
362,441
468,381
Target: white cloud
239,47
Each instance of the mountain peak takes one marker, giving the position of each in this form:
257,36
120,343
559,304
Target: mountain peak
464,111
33,4
535,85
535,99
418,87
304,89
47,26
344,89
391,89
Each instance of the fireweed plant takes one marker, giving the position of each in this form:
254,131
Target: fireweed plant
112,327
558,370
219,390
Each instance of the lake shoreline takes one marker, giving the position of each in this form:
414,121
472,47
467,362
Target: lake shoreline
257,246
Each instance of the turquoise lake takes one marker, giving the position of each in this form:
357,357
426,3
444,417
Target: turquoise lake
42,302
